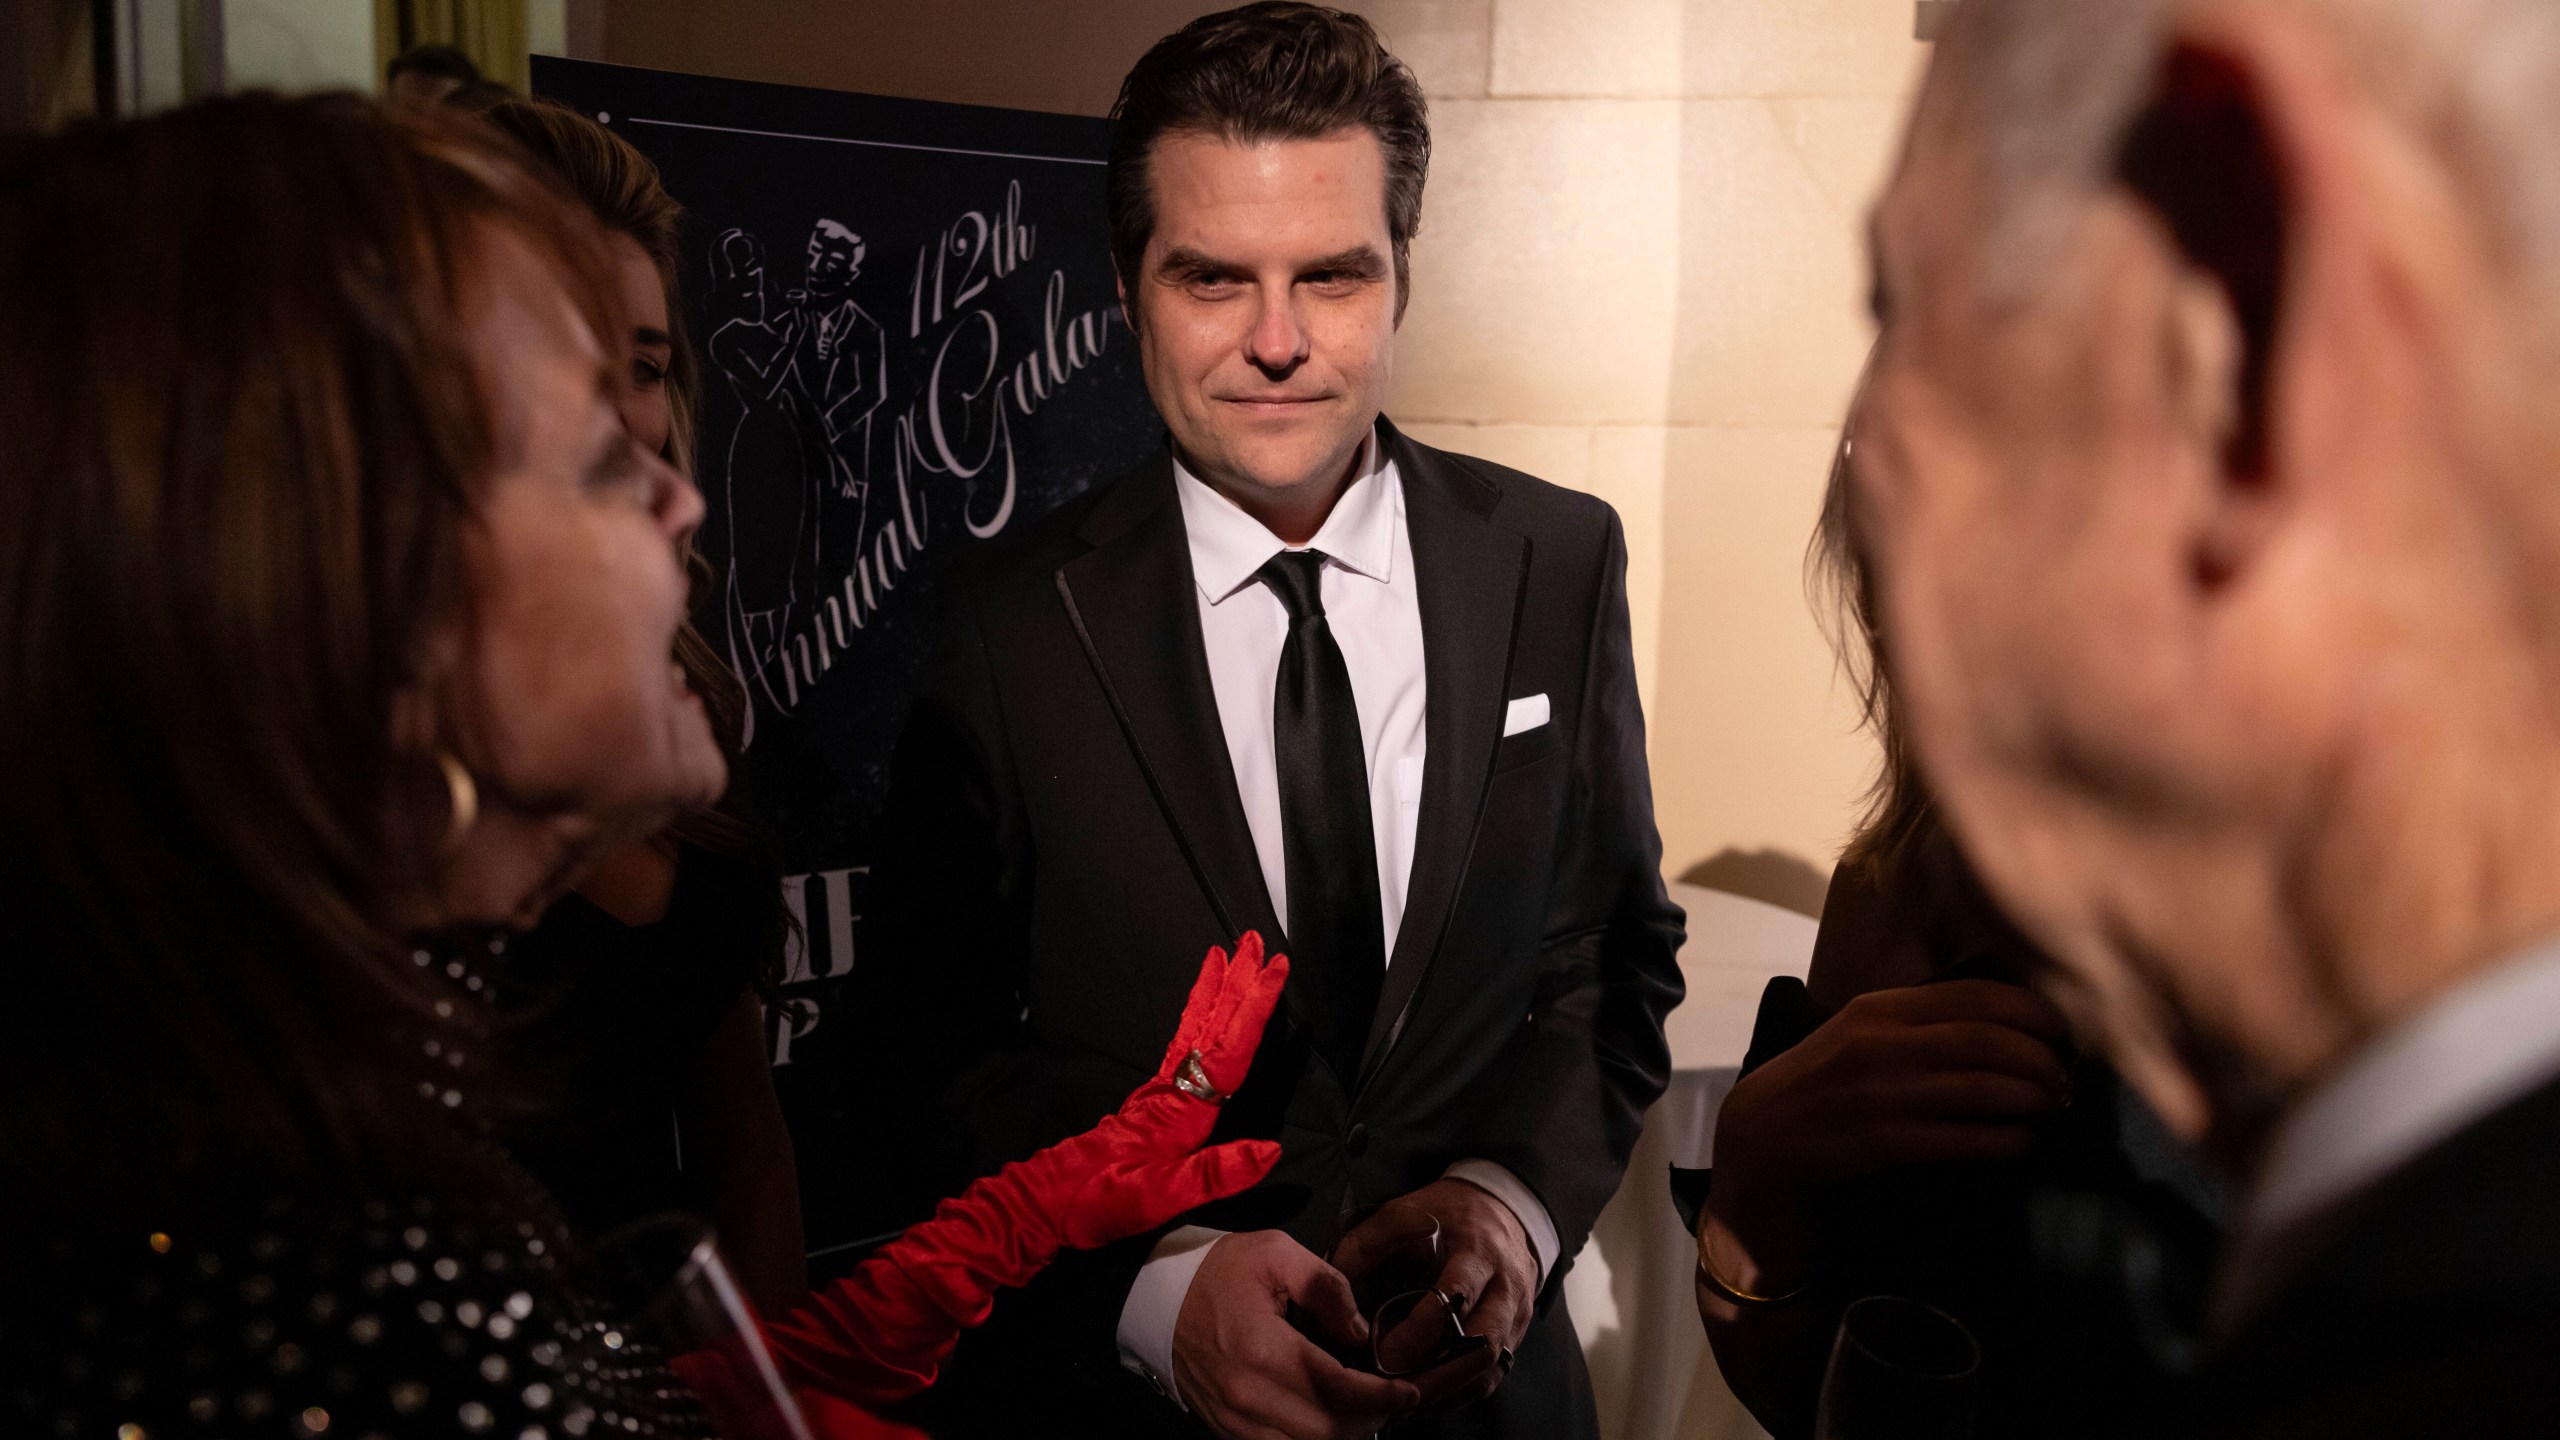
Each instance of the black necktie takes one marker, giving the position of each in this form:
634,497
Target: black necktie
1337,948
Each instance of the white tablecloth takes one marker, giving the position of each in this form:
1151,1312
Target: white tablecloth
1630,1290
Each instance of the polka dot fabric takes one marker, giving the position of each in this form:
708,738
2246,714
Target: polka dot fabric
407,1319
425,1315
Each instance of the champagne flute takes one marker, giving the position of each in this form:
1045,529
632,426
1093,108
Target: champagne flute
666,1277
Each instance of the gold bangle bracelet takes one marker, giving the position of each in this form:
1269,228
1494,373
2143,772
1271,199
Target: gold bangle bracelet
1708,1277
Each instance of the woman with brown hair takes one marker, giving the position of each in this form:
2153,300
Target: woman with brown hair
336,604
1914,1120
645,986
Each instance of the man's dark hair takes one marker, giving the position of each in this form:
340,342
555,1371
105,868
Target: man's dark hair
1274,70
441,60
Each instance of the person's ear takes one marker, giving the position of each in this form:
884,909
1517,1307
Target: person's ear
2205,154
1128,312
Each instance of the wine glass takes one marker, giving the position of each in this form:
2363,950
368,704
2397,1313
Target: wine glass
676,1295
1391,1255
1900,1370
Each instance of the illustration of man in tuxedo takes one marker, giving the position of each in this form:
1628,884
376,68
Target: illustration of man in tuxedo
842,355
809,374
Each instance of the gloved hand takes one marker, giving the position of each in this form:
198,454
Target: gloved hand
880,1334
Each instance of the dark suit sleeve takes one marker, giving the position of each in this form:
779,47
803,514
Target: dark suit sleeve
1594,1058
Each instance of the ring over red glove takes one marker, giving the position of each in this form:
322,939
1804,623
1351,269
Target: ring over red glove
879,1335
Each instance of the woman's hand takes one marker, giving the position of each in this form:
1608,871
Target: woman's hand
1145,1161
1950,1071
881,1333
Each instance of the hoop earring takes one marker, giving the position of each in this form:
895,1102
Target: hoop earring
463,793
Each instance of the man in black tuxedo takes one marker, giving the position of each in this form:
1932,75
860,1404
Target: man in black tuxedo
1303,676
2210,476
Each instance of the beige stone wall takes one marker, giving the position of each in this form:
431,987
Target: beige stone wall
1639,274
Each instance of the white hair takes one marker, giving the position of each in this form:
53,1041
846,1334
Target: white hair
2047,89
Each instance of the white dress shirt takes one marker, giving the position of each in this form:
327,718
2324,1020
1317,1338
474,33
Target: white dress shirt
2491,1040
1374,609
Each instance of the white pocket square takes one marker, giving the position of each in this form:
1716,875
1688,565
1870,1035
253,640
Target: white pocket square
1526,713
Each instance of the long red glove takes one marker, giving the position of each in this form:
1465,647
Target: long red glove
879,1335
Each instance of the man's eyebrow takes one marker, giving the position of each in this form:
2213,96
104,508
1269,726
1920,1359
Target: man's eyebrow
1363,260
1186,263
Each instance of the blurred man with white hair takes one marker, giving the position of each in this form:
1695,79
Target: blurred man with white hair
2210,470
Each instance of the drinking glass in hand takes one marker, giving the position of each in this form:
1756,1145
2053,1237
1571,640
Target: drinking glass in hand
1391,1255
1900,1370
665,1276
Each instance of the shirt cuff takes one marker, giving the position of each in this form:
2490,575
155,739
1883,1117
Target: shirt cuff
1155,1303
1523,1202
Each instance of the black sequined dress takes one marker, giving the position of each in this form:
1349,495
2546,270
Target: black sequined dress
446,1304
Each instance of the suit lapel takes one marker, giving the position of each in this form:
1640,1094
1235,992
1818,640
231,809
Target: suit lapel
1471,574
1130,599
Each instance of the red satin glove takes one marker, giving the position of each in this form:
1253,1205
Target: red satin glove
880,1334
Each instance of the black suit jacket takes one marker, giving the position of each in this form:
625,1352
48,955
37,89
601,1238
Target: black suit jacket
1064,842
2427,1306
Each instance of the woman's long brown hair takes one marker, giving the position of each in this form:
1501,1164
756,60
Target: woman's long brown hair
1899,813
618,185
1902,848
241,436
